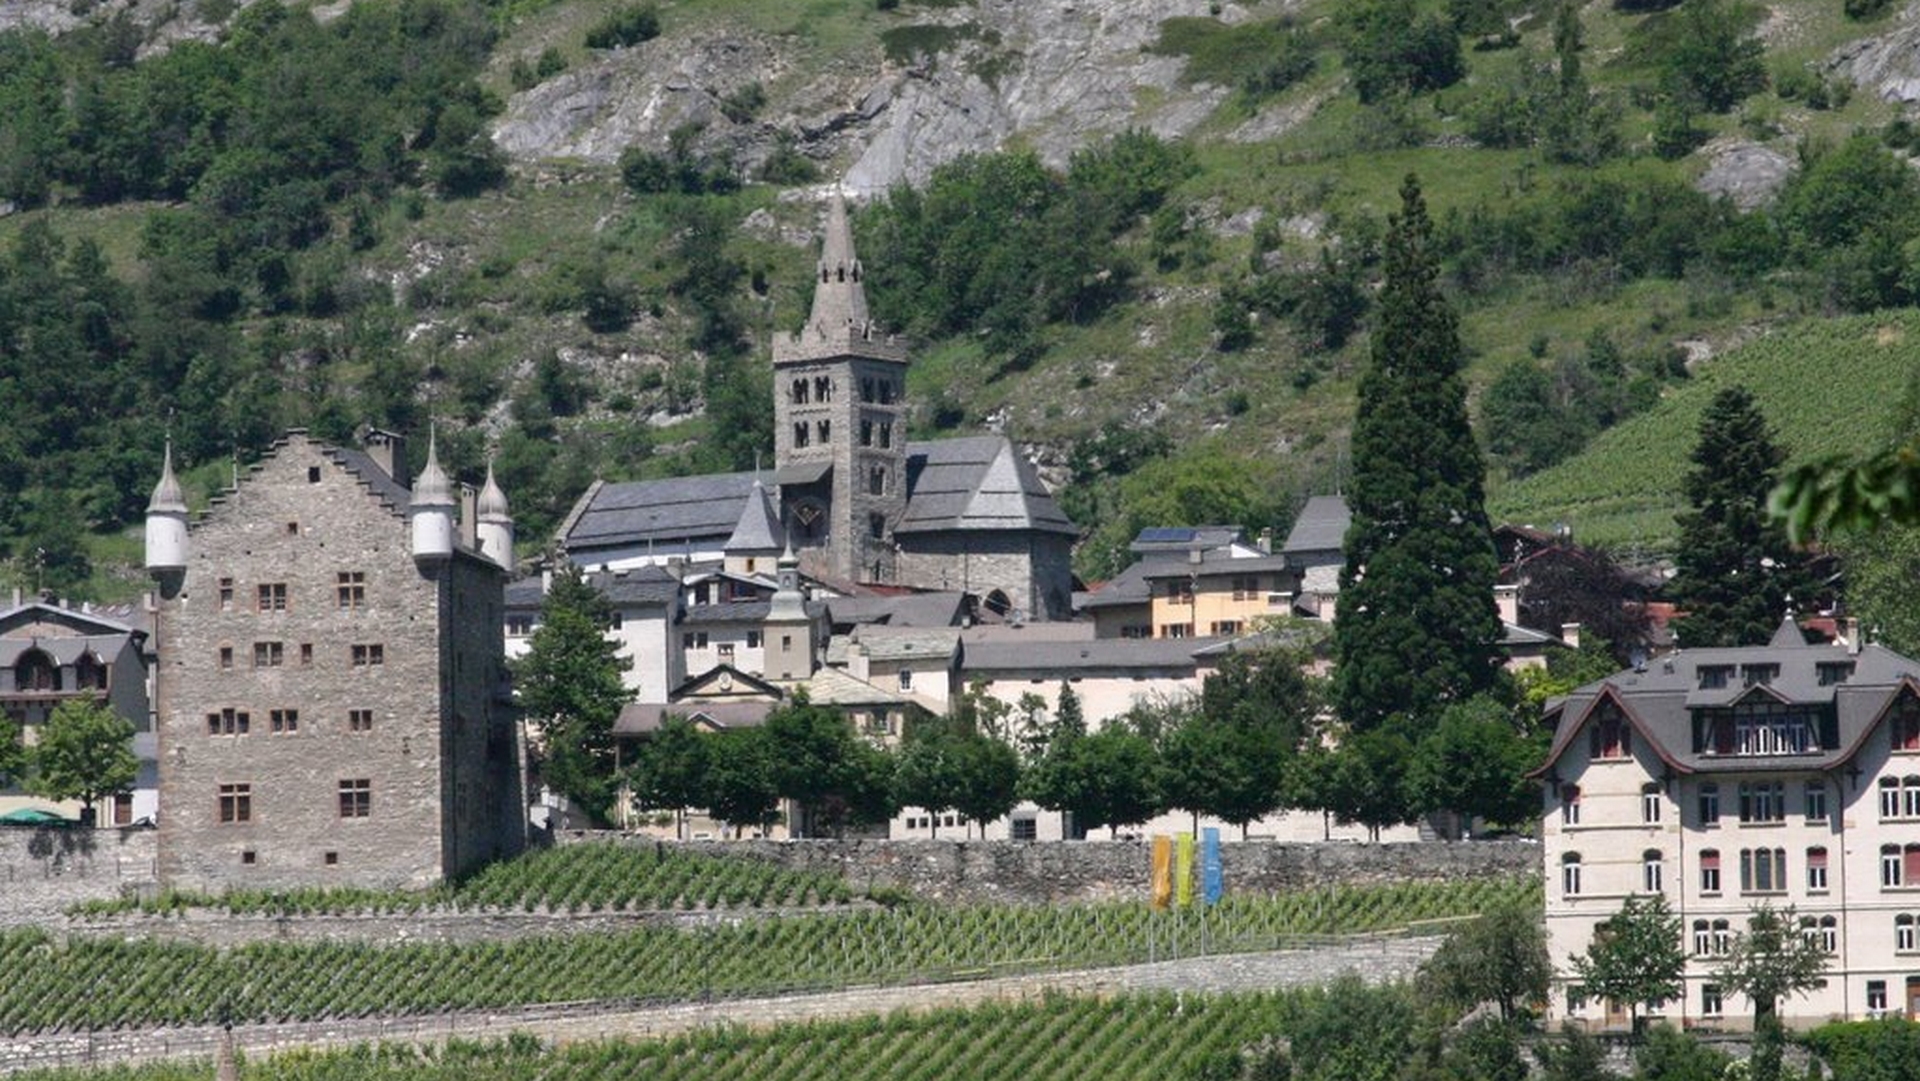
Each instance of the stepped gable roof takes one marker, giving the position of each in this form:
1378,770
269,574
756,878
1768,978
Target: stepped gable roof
1659,701
976,483
1321,526
758,528
672,510
391,493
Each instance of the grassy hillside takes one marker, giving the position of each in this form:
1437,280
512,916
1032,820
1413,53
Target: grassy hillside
1827,386
553,318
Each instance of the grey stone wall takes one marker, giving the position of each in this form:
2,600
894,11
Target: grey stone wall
1032,569
43,871
1087,870
213,928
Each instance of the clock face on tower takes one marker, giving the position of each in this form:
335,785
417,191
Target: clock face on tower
809,522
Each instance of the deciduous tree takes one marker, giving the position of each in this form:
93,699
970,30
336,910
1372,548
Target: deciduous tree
1501,958
1636,955
569,685
672,769
1773,959
85,752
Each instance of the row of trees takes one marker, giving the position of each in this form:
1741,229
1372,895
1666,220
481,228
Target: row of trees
84,752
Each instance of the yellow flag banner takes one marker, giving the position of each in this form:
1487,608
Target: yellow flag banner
1183,870
1162,872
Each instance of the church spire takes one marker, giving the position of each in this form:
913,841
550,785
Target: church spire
839,298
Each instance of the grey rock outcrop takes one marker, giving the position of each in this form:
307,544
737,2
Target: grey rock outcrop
1887,65
1054,75
1748,173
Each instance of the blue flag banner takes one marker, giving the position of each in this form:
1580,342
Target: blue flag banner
1212,883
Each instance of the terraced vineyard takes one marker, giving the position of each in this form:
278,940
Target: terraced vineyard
1828,387
1131,1038
573,878
108,983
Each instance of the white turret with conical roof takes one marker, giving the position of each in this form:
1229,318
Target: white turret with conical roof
167,522
431,508
495,529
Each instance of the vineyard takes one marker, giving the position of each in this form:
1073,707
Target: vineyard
99,983
1149,1037
1827,387
574,878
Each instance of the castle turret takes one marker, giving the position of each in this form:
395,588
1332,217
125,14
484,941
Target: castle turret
495,532
431,509
167,523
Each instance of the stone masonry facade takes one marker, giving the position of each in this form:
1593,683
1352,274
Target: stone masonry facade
329,710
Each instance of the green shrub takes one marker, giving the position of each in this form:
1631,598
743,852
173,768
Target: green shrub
624,27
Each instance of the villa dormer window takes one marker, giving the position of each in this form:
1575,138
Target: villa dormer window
1713,677
1610,737
1759,674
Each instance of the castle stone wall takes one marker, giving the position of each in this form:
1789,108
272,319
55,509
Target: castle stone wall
45,870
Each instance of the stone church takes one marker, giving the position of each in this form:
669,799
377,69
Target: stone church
861,503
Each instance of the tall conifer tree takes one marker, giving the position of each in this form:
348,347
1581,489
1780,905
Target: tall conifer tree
1735,569
1417,629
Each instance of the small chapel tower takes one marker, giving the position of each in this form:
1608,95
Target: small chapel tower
840,421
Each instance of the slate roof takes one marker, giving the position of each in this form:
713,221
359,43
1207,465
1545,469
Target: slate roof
1129,587
393,495
758,527
900,645
1096,653
1213,563
645,718
669,511
1321,526
1659,701
638,587
972,483
1183,538
940,609
976,483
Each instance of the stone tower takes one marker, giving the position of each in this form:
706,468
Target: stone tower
839,422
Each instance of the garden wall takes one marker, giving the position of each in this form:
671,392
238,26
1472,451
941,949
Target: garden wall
44,869
1102,870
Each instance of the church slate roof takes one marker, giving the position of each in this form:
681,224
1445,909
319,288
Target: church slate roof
1321,526
758,529
973,483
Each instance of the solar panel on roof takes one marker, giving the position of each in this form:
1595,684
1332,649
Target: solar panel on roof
1166,534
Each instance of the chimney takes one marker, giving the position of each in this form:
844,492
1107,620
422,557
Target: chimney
1266,541
1194,556
1570,634
389,451
1507,600
1853,634
469,518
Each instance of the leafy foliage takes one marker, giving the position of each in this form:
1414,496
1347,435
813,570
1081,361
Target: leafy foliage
1391,48
1499,958
1636,956
85,752
569,684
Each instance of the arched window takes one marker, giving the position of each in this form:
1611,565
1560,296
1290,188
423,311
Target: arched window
1652,874
1702,938
1830,934
998,603
1889,797
1722,936
1710,870
1570,875
1890,866
1903,937
1910,797
1817,869
797,393
1650,803
35,671
1709,804
89,674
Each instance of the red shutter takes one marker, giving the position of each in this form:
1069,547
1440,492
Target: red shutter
1912,868
1817,858
1709,861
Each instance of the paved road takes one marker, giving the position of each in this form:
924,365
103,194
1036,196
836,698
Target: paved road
1374,960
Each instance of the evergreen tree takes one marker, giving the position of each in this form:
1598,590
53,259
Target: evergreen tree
1734,568
1417,628
569,685
85,753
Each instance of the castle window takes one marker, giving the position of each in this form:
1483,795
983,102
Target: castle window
866,432
356,798
877,525
797,393
1823,933
1712,1002
273,596
693,640
1225,627
331,859
313,474
350,590
89,673
823,388
824,429
1715,676
866,389
1702,939
236,803
1761,674
877,480
1176,630
886,434
226,594
1903,937
906,679
886,392
366,655
1876,996
269,654
226,657
228,722
1831,672
283,722
359,720
800,433
1763,870
725,652
123,809
293,529
1891,867
306,654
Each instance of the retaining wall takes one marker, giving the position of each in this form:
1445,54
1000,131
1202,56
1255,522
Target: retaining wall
43,870
1093,870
